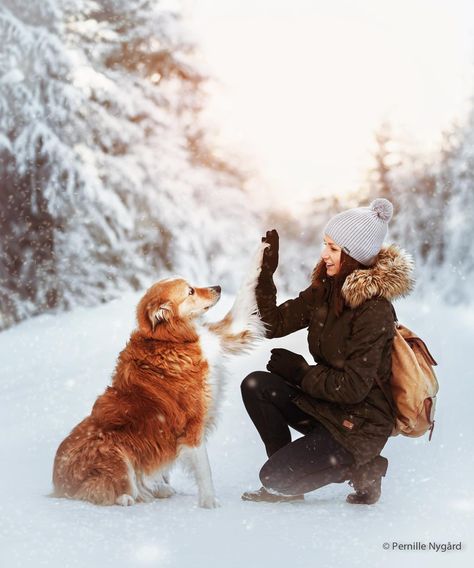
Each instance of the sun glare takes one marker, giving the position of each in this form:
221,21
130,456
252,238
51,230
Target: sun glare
303,88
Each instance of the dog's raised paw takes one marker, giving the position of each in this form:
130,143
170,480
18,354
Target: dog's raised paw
125,500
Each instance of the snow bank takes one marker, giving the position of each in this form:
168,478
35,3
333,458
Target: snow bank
52,368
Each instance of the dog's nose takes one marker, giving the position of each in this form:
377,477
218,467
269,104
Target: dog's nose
216,289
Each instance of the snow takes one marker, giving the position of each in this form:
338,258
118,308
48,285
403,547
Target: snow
52,369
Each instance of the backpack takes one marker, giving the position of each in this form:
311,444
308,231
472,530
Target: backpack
413,384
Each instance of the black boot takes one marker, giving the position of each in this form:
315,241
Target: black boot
263,495
367,482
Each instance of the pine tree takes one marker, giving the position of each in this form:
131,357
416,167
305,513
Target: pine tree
106,178
434,204
381,169
457,184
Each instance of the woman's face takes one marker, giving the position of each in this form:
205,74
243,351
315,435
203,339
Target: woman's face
331,255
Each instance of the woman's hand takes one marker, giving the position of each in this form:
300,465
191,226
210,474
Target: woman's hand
270,254
291,366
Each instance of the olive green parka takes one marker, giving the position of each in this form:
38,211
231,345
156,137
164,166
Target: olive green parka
350,351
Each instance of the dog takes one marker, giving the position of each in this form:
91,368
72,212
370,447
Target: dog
163,399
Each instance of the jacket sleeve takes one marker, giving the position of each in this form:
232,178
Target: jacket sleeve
286,318
372,328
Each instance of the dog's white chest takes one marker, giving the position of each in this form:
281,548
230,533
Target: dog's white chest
210,346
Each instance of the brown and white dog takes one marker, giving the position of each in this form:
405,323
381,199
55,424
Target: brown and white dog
163,399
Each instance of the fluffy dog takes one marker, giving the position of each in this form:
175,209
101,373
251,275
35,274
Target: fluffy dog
163,398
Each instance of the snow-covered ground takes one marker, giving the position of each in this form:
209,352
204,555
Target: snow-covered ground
53,367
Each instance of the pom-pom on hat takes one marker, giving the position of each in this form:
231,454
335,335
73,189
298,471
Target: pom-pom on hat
360,232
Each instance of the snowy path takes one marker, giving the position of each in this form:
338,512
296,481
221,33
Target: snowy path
52,368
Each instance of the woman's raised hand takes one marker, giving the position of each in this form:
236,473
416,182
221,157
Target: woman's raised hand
270,254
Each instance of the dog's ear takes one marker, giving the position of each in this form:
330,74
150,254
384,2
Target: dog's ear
152,312
160,315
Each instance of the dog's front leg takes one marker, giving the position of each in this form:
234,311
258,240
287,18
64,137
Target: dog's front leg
242,323
199,462
244,312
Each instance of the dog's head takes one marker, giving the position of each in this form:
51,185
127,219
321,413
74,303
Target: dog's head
172,302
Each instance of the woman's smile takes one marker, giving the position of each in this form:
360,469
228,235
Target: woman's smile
331,255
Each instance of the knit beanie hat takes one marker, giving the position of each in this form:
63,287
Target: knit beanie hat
360,232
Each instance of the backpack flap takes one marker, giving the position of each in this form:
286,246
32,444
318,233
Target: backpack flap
413,339
421,346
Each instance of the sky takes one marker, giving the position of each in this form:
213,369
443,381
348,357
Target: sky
300,87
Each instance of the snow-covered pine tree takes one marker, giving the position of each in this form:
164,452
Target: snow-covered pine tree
385,170
456,187
434,202
383,162
30,55
106,181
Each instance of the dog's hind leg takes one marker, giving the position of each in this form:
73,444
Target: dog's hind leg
197,460
129,498
158,485
163,490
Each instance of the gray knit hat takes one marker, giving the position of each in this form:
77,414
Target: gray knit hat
360,232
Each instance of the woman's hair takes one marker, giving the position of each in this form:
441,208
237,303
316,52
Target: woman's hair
348,265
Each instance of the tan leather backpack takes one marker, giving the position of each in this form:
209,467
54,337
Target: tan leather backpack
414,384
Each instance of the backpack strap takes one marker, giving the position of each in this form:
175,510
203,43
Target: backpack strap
395,318
381,386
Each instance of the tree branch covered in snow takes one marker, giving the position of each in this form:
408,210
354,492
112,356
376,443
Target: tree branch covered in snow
105,182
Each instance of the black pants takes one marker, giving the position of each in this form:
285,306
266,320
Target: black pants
296,467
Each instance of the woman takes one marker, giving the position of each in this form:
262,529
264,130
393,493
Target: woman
343,404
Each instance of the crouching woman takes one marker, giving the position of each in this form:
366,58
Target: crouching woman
342,405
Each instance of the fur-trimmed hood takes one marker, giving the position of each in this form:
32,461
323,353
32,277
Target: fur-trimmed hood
390,277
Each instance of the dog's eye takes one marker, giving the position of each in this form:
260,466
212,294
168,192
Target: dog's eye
191,291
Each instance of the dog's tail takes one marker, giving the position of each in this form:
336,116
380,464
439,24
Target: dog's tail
242,327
